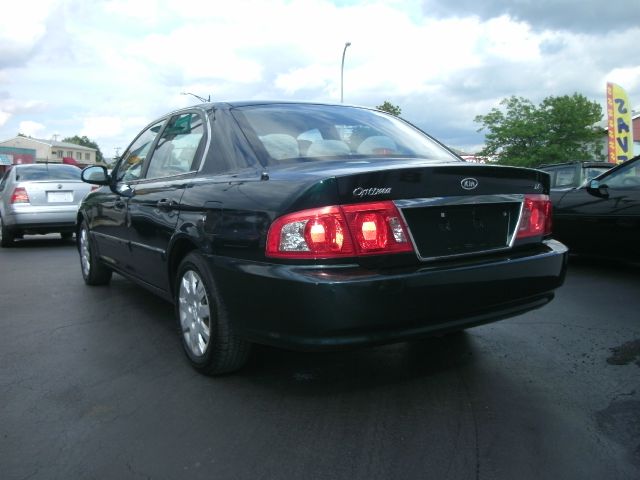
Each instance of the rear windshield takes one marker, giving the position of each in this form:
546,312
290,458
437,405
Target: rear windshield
47,172
284,132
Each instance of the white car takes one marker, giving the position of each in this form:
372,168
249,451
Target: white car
39,199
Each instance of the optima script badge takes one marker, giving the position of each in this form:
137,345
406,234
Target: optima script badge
469,183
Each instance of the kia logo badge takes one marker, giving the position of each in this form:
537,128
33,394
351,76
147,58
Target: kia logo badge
469,183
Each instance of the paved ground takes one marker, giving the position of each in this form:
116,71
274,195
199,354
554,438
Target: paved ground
93,384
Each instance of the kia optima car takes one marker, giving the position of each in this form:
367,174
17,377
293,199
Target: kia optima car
39,199
314,226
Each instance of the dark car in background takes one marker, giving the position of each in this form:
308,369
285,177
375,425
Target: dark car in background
39,199
602,218
315,226
573,174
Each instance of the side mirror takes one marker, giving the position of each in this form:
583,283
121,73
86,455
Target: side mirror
595,188
96,175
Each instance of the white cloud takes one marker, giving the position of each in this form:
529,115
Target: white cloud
4,117
108,68
31,129
24,23
102,127
629,77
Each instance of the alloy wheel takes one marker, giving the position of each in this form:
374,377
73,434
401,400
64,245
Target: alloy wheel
195,313
85,254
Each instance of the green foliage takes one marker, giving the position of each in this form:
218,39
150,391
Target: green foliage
560,129
85,142
390,108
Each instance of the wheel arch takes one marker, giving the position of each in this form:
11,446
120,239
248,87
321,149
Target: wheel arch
180,249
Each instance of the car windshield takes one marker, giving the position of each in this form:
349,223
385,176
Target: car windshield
47,172
286,132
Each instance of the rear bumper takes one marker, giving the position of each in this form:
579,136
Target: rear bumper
326,307
56,218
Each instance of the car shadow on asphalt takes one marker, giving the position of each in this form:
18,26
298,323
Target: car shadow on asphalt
312,373
306,372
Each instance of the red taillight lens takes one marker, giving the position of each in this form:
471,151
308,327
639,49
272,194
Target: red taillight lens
377,228
359,229
315,233
536,216
19,195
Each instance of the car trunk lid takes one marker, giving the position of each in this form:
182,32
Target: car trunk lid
451,210
63,192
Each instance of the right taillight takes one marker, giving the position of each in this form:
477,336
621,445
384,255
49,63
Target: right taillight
19,195
536,216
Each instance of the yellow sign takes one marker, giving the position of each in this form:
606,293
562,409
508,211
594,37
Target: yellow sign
619,123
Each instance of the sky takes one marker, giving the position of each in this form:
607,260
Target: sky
107,68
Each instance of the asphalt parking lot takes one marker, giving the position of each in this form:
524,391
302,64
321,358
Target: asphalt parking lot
94,384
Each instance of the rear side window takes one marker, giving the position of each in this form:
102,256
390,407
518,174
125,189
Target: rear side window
47,172
564,177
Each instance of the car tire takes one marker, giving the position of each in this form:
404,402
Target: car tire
93,271
66,235
6,235
205,329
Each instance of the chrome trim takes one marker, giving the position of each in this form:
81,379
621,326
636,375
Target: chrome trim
209,138
147,247
461,200
458,200
104,235
122,240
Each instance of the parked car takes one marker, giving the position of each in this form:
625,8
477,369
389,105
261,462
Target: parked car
39,199
315,226
573,174
602,218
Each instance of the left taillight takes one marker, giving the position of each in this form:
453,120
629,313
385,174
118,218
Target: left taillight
338,231
536,216
19,195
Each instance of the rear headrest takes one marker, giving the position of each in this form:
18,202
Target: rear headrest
280,145
321,148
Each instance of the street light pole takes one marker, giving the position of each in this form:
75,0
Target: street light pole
202,99
347,44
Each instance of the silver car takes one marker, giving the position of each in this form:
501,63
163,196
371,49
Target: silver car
39,199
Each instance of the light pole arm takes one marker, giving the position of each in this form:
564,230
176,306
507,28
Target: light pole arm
344,51
202,99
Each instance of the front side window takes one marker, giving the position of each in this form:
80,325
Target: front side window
625,177
130,166
175,152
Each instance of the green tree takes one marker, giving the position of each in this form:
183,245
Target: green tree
559,129
85,142
390,108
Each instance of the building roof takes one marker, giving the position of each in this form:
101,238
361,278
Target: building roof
52,143
55,143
